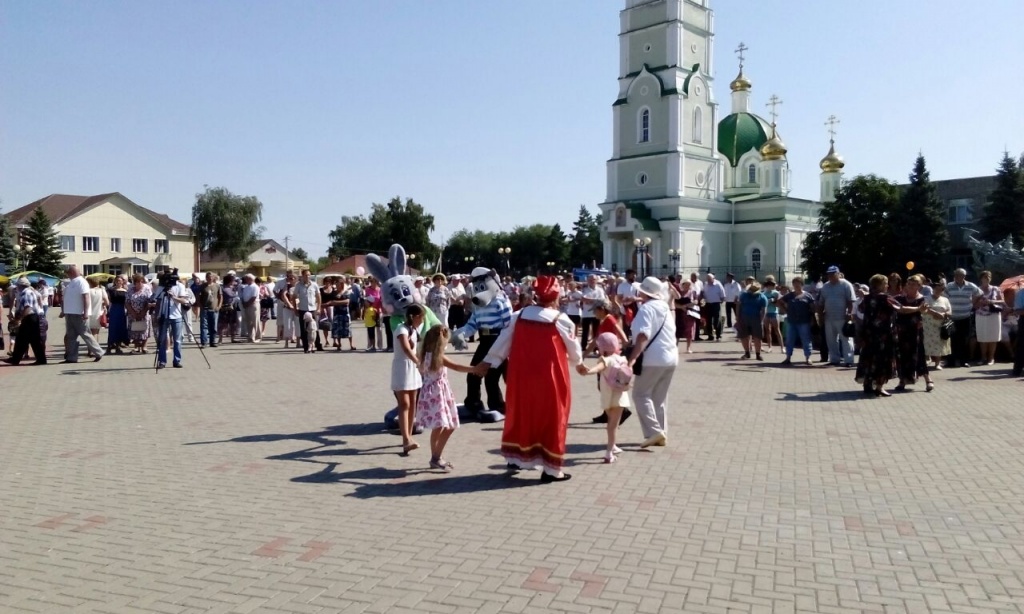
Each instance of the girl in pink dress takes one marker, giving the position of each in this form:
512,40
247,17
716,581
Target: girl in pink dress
435,408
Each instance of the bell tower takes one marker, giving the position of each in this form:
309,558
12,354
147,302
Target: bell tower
665,117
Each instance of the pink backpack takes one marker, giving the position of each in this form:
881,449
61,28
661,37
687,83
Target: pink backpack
619,376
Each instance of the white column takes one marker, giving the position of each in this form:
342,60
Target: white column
609,247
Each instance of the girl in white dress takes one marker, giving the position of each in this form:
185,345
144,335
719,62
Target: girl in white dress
435,408
405,373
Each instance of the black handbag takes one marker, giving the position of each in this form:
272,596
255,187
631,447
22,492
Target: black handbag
849,329
267,302
946,329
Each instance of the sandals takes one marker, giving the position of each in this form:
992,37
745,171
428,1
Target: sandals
409,447
442,464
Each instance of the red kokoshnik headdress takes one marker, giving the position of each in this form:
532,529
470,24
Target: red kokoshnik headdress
547,289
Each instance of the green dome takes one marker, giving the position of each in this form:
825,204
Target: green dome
739,133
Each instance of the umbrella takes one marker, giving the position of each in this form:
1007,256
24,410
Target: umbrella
1012,282
101,277
4,279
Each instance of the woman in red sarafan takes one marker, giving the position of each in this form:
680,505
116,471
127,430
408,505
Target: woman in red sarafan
540,345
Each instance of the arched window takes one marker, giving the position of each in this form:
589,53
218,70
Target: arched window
698,125
755,258
645,126
752,173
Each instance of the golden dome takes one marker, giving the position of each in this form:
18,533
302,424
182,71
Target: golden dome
740,83
774,148
832,162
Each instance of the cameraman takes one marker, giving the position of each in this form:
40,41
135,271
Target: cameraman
170,297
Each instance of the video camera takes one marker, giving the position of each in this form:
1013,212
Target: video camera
168,279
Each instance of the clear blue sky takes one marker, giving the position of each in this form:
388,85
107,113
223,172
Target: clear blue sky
491,114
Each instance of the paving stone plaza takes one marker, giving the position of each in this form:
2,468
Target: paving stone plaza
267,484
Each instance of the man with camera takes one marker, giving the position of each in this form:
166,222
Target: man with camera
169,299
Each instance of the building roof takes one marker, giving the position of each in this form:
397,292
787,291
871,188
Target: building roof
738,133
60,207
349,265
267,245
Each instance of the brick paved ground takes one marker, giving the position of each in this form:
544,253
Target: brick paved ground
268,485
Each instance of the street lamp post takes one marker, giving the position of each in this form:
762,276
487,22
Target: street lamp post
674,255
412,260
551,266
469,260
642,247
503,252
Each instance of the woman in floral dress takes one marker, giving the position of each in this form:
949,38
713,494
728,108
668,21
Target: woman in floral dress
877,363
137,306
934,345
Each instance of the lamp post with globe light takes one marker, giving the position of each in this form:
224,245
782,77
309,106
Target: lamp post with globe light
503,252
674,255
642,247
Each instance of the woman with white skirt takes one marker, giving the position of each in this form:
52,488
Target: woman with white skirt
988,322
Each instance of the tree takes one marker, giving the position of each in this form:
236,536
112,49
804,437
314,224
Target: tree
225,222
406,223
7,255
44,254
1004,213
585,247
854,231
556,247
920,221
300,254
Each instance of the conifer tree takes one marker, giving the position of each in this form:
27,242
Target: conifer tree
1004,212
919,227
44,254
7,255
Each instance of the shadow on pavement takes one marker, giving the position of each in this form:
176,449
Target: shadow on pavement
824,397
447,485
319,437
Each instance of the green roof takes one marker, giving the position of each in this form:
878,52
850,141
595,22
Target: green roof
640,213
739,133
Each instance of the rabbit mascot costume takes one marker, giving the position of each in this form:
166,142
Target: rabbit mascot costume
397,292
492,313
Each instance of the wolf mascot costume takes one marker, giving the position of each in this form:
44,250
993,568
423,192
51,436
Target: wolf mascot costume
397,292
492,313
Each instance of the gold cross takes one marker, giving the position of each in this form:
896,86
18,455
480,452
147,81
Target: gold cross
774,102
831,123
739,51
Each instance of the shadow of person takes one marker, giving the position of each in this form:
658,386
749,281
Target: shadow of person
447,485
823,397
322,437
327,475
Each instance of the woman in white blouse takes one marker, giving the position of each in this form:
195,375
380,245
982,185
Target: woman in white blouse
935,347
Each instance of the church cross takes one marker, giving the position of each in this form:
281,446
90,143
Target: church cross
774,102
740,51
831,123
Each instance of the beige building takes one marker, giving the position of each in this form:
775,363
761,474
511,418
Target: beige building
269,259
109,233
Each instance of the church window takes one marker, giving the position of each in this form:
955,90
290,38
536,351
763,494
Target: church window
752,173
645,126
698,125
755,258
641,179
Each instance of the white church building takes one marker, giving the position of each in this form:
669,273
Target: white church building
688,191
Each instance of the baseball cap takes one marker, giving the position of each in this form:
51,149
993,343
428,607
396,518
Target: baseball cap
832,269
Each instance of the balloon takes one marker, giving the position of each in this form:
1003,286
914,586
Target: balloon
360,271
910,265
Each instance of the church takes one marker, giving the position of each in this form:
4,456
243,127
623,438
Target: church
688,191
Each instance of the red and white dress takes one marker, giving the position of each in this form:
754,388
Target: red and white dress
540,345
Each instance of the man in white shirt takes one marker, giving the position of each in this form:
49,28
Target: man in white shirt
249,296
169,315
732,297
625,299
714,295
307,300
75,311
592,295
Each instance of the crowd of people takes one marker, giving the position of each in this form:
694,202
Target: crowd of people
636,330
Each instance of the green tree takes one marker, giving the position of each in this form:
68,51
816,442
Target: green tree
1004,213
226,222
300,254
585,248
920,221
44,252
556,247
7,255
406,223
854,231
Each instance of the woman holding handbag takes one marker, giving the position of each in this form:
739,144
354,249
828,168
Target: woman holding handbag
653,358
936,344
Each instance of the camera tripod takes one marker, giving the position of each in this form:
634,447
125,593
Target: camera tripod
164,327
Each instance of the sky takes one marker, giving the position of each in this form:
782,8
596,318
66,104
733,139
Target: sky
492,114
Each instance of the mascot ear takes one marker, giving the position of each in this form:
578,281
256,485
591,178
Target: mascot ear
396,258
377,268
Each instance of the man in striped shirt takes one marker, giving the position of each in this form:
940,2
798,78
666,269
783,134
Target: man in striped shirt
26,313
491,315
961,294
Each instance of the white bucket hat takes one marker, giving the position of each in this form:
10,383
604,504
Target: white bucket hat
652,287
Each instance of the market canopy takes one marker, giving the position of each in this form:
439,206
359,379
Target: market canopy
34,276
132,261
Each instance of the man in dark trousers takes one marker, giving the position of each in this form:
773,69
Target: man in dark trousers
25,314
